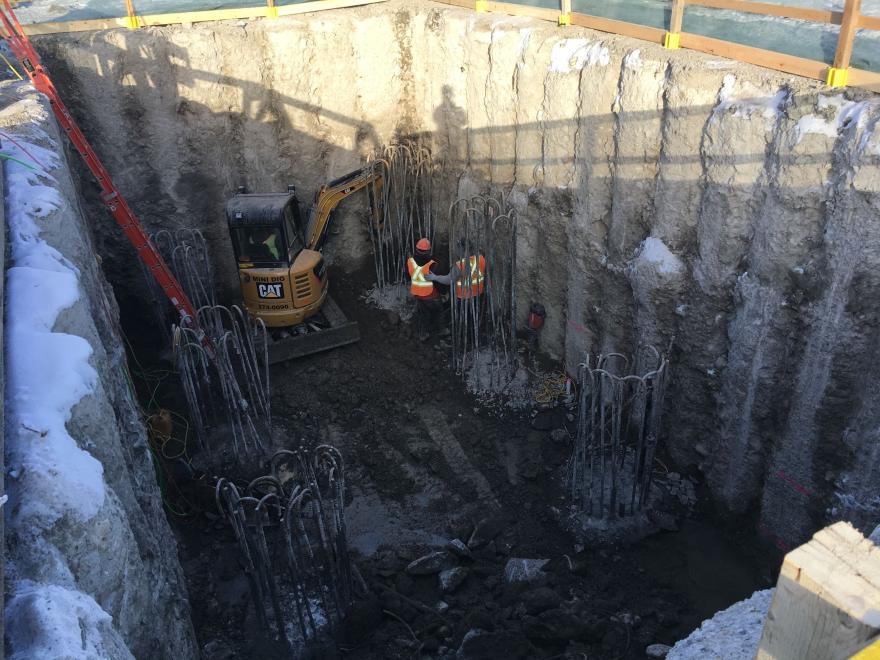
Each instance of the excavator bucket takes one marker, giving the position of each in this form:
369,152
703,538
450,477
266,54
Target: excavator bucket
319,335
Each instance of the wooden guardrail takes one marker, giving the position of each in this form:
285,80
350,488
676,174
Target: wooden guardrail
826,602
132,19
838,74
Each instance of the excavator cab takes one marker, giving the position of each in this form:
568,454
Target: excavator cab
282,282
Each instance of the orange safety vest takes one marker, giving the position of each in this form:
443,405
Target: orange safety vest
472,284
419,286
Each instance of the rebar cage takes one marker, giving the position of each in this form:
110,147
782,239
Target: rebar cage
290,529
484,316
619,414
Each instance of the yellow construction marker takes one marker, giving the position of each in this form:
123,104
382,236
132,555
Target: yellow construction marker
672,40
131,20
870,652
564,19
836,77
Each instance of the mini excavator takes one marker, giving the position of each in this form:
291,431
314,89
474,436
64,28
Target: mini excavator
281,263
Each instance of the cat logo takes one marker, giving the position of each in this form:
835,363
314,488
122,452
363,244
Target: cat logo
270,290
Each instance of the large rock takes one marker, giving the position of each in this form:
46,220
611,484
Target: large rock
458,548
451,578
524,570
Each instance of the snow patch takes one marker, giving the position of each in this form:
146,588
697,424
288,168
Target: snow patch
52,480
656,255
633,60
574,54
835,113
747,100
47,372
49,621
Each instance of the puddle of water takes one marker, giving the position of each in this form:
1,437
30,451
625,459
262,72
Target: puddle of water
703,565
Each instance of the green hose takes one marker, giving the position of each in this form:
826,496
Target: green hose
8,157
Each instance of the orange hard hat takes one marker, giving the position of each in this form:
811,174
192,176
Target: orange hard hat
423,245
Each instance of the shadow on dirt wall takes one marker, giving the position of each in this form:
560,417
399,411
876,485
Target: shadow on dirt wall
769,318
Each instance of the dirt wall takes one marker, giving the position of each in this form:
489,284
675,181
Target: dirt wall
665,197
92,567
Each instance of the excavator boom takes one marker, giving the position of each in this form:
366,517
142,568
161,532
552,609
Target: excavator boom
371,177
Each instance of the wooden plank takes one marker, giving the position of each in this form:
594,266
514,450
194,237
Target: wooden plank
523,10
851,15
757,56
869,80
869,22
469,4
676,16
147,20
767,9
190,16
826,601
54,27
323,5
643,32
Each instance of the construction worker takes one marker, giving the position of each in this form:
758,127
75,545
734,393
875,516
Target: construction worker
270,242
471,277
425,287
468,275
263,245
419,267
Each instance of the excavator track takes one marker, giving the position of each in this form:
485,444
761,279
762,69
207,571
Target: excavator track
337,331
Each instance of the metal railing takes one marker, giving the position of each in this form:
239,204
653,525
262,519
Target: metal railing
838,74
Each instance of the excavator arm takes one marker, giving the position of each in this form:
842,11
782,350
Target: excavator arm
371,177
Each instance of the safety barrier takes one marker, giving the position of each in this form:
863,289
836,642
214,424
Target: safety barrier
133,19
838,74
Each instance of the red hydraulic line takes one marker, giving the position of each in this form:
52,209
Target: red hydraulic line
134,231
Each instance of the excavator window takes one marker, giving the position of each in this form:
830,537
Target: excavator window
262,246
291,229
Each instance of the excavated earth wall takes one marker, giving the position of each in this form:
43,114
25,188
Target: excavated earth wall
91,564
664,197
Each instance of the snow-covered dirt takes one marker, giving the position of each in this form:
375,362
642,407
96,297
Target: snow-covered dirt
91,570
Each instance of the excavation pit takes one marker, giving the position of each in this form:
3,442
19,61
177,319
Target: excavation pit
722,213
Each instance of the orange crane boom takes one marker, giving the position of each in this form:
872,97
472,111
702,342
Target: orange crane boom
134,231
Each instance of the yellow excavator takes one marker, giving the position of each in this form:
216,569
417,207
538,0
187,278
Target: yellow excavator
281,266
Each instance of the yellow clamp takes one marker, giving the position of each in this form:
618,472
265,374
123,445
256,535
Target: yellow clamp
672,40
564,19
837,77
481,5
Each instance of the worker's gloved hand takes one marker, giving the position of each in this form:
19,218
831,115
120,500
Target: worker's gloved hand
438,279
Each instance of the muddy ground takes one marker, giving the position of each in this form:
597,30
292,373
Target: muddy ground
425,464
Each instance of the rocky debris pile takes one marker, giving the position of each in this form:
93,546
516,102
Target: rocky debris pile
732,634
476,599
